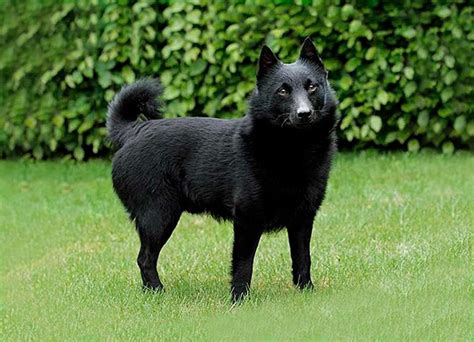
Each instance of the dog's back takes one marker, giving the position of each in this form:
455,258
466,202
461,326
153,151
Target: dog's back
188,161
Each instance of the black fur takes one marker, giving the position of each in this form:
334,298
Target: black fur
265,171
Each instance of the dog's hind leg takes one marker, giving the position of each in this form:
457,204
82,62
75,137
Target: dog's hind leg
155,227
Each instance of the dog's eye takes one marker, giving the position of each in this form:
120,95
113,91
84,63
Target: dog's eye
312,87
283,91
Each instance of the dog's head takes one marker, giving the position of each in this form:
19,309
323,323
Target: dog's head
296,95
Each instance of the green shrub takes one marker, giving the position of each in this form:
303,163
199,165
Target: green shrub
404,74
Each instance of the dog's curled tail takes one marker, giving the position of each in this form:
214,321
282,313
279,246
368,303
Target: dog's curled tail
138,98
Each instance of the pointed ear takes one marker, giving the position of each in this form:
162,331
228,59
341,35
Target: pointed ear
310,54
266,61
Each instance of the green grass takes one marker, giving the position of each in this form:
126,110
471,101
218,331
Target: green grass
391,260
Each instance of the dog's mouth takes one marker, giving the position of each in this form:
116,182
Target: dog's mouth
292,120
299,121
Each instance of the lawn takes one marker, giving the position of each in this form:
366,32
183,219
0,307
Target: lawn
391,260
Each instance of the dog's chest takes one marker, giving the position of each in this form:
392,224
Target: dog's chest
281,199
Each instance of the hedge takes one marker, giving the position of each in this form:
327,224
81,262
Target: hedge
403,71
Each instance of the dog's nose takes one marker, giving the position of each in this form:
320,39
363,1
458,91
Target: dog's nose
303,115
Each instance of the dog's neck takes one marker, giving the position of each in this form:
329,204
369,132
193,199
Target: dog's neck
262,130
277,146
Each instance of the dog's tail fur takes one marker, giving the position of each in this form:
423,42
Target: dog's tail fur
133,100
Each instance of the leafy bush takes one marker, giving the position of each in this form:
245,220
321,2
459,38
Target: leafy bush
404,76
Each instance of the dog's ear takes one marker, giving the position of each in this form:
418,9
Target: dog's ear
310,54
266,61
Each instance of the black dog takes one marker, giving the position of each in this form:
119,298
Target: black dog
266,171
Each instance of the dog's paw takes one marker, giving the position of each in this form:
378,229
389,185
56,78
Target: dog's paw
238,293
153,288
307,286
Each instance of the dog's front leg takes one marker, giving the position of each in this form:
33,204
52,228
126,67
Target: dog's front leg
300,237
246,239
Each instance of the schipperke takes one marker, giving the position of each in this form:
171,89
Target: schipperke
265,171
